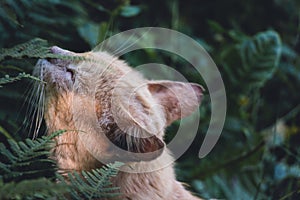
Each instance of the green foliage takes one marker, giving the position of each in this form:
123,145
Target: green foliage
21,154
41,188
260,57
94,184
255,45
130,11
257,56
24,163
20,161
35,48
8,79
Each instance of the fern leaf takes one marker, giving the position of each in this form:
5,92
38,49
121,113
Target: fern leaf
252,60
260,57
35,48
4,168
29,150
90,178
22,154
94,184
8,13
25,49
3,131
5,152
42,188
8,79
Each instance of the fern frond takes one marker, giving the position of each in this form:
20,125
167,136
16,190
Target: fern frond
21,154
35,48
32,48
8,79
260,57
94,184
41,188
252,60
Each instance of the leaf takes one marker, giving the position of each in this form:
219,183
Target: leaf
89,32
93,184
35,48
8,79
23,153
5,132
8,12
130,11
41,187
216,26
260,56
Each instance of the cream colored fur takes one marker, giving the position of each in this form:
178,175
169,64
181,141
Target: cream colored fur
104,92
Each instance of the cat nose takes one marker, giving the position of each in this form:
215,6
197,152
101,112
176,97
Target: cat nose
60,51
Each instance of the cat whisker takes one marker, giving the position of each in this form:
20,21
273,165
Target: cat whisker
124,45
35,109
40,110
132,43
106,35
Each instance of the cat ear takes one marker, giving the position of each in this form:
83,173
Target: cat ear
178,99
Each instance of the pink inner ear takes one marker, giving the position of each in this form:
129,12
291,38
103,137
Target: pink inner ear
178,99
198,89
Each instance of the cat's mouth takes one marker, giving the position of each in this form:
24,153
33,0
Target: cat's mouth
66,66
60,73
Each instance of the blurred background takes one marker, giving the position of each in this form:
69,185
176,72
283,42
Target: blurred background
255,45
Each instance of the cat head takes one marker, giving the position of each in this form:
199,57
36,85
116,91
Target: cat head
121,114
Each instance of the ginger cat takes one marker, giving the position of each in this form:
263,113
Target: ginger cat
111,112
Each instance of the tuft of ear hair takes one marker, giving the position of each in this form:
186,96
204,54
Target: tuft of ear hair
178,99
